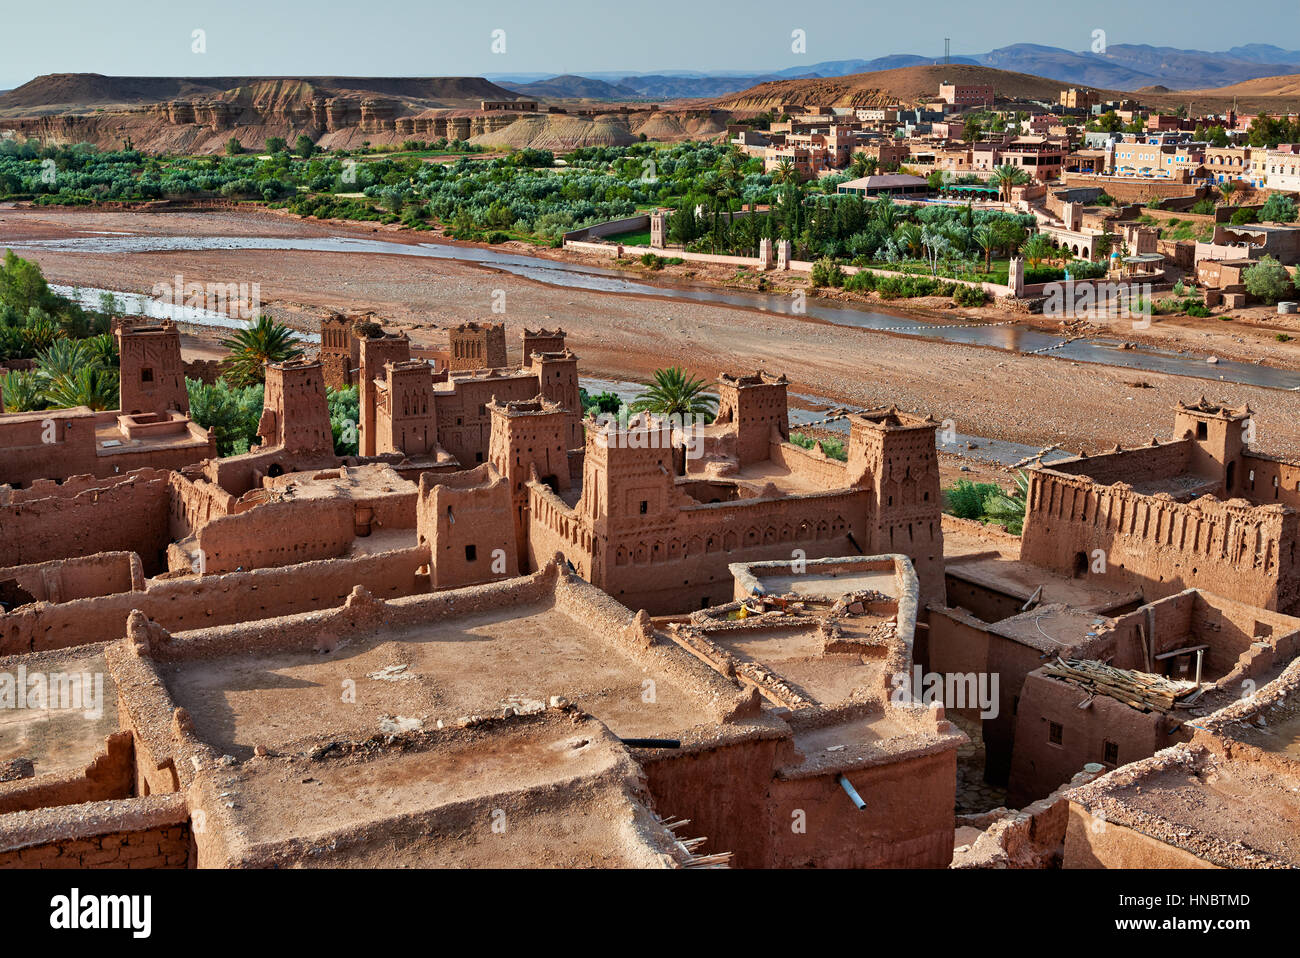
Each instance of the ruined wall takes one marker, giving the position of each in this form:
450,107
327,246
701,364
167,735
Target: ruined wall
195,503
1160,546
1141,464
180,605
110,775
62,580
50,444
1092,843
277,534
810,465
151,832
129,514
1039,765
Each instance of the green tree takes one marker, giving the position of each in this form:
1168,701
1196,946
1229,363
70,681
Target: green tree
1036,249
22,285
89,386
276,144
266,341
303,146
676,393
231,412
1008,177
1268,280
1278,208
345,414
21,392
234,147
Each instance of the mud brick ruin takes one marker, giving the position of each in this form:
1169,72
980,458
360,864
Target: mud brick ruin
627,643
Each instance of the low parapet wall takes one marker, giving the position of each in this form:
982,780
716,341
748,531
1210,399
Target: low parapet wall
198,602
149,832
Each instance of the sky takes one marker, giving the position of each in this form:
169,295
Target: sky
436,38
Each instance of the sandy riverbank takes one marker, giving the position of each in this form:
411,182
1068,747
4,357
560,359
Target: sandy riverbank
1030,399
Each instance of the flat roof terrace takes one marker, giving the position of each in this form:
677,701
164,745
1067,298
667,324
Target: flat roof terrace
60,735
554,789
1226,810
386,667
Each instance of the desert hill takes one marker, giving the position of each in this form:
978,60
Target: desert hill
81,92
909,85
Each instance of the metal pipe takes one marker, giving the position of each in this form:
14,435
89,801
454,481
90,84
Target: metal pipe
851,792
1200,655
651,742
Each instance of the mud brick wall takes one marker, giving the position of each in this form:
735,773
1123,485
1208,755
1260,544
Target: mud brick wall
1039,766
129,515
1159,545
110,775
150,832
279,534
61,580
1274,480
1143,464
191,603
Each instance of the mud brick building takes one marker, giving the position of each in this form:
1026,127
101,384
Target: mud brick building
151,428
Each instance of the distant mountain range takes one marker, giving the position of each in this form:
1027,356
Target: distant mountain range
1124,66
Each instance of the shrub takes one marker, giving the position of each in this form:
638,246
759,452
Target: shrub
965,499
969,296
1268,280
1203,207
826,272
863,281
1283,338
1244,215
1199,310
1278,209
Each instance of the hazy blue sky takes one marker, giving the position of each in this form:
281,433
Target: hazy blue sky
430,37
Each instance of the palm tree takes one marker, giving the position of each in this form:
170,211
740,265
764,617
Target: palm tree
103,350
21,392
784,172
863,165
266,341
64,357
1009,176
676,393
1227,188
89,386
1009,509
988,238
1036,249
885,212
